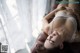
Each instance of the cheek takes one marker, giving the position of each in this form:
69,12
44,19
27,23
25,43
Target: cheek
59,40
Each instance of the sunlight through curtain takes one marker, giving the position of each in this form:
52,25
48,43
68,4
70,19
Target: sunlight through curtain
21,21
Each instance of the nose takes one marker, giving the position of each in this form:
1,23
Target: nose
51,36
54,34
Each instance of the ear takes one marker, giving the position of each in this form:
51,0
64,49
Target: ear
61,46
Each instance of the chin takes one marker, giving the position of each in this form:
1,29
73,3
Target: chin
49,46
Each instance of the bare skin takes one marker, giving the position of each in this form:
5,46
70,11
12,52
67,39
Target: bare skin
56,31
63,28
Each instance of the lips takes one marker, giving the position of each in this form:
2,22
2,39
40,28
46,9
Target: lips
52,42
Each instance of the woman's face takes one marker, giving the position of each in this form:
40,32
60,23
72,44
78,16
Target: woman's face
53,40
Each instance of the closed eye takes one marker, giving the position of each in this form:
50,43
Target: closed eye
54,34
53,41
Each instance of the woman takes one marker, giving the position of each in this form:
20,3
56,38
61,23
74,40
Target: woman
54,31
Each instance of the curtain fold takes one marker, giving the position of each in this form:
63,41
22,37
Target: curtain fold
21,22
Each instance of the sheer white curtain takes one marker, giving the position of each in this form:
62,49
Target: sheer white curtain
20,22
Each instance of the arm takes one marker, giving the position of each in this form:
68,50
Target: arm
46,20
49,16
63,3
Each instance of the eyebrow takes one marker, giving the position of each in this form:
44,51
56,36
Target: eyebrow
56,34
